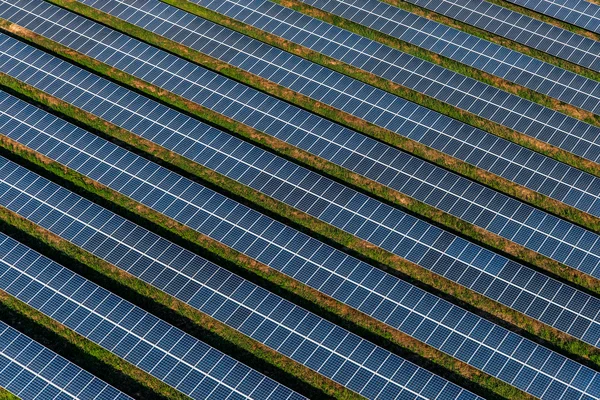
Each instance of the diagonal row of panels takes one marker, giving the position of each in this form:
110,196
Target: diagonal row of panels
138,337
520,28
577,12
461,334
367,102
428,246
304,337
468,49
389,228
483,150
31,371
541,382
499,214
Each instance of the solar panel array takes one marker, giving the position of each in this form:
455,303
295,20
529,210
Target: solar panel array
299,256
520,28
369,103
450,42
507,217
31,371
306,338
196,369
358,214
426,317
145,341
577,12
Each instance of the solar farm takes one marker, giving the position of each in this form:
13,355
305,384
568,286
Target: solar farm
300,199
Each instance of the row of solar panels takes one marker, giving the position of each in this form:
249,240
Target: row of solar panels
355,213
216,157
577,12
367,102
234,301
529,31
474,203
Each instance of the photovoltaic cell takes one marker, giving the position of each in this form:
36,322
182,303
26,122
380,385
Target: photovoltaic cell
263,316
454,138
31,371
353,212
145,341
305,259
520,28
488,209
577,12
455,44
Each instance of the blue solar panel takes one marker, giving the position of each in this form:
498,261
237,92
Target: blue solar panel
31,371
520,28
450,42
344,278
360,215
500,214
263,316
145,341
381,108
577,12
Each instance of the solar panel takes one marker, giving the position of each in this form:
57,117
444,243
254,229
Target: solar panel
145,341
305,259
346,209
460,46
31,371
374,105
577,12
263,316
497,213
520,28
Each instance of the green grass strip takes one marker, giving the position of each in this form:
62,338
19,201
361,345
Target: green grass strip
6,395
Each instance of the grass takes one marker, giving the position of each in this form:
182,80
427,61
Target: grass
336,172
6,395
